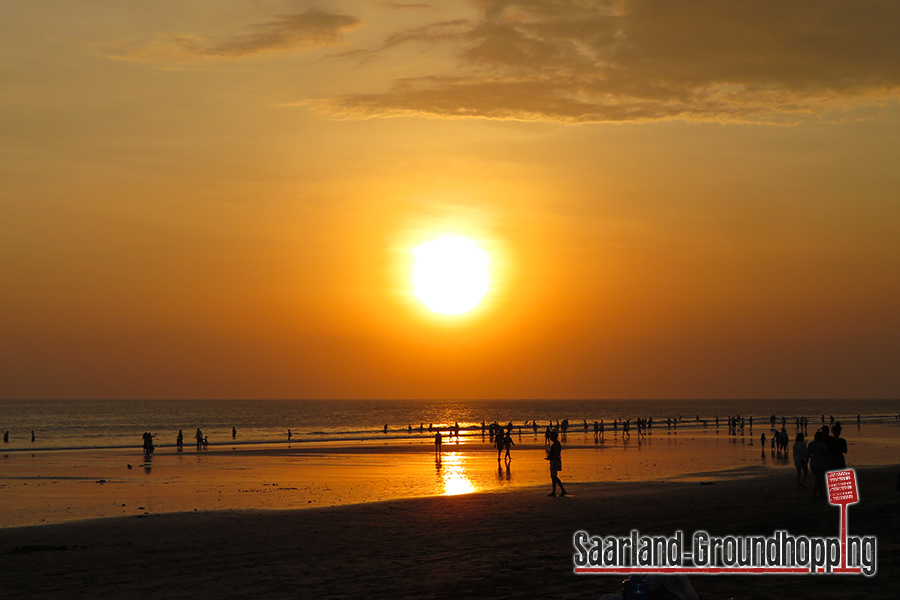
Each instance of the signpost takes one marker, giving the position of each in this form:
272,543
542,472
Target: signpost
842,490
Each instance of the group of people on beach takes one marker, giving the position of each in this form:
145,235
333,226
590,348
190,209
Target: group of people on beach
501,437
148,443
6,436
824,453
202,441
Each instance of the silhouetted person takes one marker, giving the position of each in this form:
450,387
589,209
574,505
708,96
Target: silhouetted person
6,437
438,438
507,443
199,437
148,442
289,435
555,458
179,441
818,461
233,433
32,435
385,427
801,457
836,449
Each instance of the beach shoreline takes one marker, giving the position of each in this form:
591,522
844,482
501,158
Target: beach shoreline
60,485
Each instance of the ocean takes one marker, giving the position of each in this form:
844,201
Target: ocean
86,424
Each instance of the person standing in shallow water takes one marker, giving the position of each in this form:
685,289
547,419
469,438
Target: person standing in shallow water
555,458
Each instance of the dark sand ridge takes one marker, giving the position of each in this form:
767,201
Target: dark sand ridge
510,544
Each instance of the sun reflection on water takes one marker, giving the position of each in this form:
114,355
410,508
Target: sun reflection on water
453,474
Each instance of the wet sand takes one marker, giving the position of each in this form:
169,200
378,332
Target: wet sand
54,486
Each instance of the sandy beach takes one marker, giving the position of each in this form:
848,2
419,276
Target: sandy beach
389,521
511,544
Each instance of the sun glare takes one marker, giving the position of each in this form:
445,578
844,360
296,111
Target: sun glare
450,275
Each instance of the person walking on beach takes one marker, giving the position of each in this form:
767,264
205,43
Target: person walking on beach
801,457
438,438
507,443
6,437
555,458
233,433
179,441
199,438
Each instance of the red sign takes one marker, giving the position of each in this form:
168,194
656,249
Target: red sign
842,487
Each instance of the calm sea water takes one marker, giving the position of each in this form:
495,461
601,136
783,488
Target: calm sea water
66,424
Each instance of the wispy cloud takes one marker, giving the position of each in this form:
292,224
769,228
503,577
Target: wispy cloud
404,5
633,60
310,29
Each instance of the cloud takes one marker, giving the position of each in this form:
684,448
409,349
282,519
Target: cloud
402,6
305,30
635,60
311,29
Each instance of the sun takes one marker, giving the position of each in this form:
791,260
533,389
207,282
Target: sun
450,275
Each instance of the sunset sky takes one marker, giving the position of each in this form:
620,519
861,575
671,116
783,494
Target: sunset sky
221,198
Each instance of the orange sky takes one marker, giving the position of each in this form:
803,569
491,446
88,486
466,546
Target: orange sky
219,199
